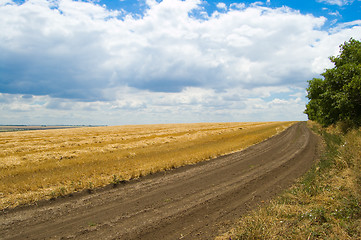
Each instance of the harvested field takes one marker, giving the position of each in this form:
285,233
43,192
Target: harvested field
191,202
37,165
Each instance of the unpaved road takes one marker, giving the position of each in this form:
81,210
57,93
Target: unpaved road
192,202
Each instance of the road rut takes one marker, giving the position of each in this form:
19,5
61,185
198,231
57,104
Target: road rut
191,202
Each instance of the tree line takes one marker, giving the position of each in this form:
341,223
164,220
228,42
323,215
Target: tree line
337,96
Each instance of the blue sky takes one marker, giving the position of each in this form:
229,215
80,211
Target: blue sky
171,61
341,10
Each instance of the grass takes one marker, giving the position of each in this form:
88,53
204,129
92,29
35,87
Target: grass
37,165
324,204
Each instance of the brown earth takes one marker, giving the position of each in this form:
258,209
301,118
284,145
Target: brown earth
192,202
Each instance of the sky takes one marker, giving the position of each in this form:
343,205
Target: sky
172,61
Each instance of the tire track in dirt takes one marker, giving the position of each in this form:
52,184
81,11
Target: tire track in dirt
192,202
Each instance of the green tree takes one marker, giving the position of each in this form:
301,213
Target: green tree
337,97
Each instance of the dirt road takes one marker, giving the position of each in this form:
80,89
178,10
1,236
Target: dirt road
192,202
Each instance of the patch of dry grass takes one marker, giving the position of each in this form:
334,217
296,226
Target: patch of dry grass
324,204
38,165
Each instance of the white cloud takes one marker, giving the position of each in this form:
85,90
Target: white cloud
79,56
222,5
134,107
337,2
336,13
348,26
258,3
237,5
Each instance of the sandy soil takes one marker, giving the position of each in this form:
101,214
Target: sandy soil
192,202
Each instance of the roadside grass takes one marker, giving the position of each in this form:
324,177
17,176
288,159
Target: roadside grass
36,165
324,204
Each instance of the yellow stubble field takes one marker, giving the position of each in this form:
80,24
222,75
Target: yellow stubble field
44,164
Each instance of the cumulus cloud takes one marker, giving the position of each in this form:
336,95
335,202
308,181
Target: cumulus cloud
142,106
168,59
222,5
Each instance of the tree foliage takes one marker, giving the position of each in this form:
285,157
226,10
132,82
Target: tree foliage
337,97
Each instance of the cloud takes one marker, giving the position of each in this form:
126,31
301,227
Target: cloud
346,27
142,106
222,5
79,56
336,14
237,5
337,2
70,49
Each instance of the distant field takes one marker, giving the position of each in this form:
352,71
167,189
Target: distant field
37,165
